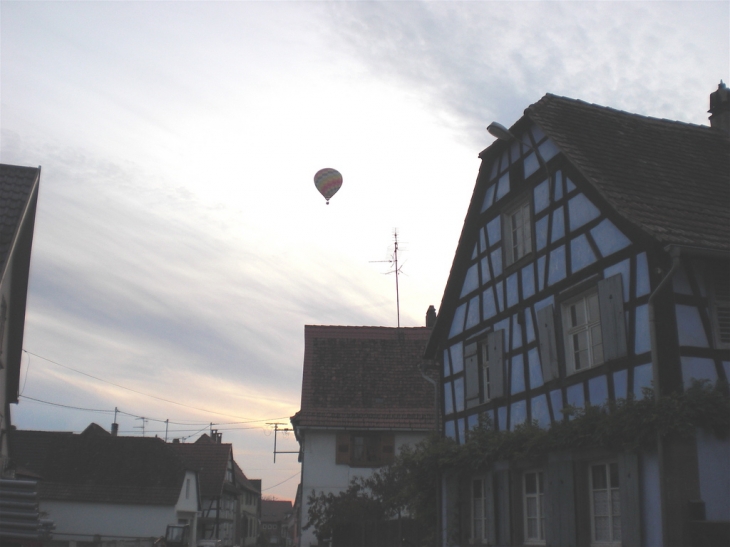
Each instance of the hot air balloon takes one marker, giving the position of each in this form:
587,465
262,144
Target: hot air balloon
328,181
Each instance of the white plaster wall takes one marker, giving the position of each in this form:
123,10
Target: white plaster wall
651,503
79,521
188,499
713,457
321,474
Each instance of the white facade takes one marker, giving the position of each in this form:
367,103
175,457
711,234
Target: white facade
81,521
320,473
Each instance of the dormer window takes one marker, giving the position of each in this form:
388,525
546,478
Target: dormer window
517,232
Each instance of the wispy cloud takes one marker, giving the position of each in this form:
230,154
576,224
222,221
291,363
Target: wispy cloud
180,245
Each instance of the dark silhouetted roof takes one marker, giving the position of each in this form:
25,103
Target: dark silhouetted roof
670,179
275,510
16,186
210,459
95,466
252,485
365,377
18,198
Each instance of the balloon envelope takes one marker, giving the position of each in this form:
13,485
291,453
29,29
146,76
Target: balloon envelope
328,181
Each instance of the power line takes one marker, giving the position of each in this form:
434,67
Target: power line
206,424
136,391
282,482
66,406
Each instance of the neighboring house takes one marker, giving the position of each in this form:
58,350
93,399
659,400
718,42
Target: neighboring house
275,522
96,486
583,276
221,486
18,199
249,508
363,397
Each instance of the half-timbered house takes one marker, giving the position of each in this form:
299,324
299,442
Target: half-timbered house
592,264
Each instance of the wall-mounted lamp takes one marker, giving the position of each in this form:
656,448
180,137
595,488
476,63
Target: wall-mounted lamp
496,129
499,131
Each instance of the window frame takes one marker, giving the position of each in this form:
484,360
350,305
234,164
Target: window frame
486,522
381,448
719,302
540,496
527,239
485,364
606,465
587,327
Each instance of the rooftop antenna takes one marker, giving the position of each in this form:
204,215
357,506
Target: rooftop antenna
276,431
396,270
144,421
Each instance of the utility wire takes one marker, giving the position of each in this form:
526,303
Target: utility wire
206,424
66,406
134,390
282,482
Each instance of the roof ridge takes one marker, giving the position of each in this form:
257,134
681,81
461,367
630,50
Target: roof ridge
585,104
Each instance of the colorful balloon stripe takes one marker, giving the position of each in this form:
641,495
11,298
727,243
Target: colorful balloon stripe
328,182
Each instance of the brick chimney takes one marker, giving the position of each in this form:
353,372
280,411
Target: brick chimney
720,109
431,316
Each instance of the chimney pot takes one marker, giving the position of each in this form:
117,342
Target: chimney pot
431,316
115,429
720,109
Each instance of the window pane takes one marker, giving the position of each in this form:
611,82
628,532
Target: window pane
599,476
614,475
530,484
601,529
593,314
615,503
600,503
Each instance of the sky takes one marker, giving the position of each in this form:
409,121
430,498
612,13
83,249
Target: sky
180,244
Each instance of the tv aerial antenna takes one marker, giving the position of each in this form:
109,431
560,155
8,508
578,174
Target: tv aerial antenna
277,429
393,261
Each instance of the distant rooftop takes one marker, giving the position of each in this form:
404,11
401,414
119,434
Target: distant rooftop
365,377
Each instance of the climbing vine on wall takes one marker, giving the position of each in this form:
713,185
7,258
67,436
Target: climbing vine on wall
409,485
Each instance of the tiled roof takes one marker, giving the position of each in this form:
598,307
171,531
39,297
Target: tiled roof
210,459
243,481
275,510
670,179
95,466
365,377
16,186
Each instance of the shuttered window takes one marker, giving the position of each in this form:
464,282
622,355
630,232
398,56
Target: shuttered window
494,365
364,449
720,282
594,329
471,372
582,327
